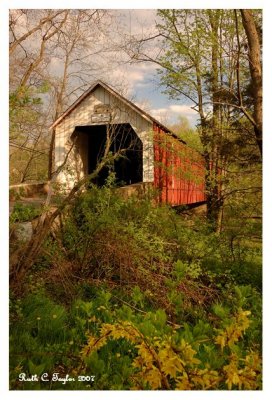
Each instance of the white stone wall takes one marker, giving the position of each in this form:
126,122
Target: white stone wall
81,116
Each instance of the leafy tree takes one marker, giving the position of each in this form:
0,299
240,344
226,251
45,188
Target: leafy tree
28,142
202,59
183,129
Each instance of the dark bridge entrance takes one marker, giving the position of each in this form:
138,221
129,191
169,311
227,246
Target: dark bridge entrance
128,167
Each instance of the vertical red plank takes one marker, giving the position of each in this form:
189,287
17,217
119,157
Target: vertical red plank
179,171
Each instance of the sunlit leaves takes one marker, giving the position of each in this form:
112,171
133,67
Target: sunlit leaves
162,363
233,332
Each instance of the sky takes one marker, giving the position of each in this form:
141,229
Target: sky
145,91
142,78
138,81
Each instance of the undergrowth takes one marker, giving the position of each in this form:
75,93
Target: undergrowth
24,213
141,298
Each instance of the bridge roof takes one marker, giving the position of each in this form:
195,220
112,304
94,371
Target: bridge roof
133,106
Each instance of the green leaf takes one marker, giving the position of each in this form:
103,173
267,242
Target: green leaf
35,369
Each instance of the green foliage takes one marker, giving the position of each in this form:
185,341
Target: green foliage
101,224
28,134
23,213
169,361
126,265
190,135
121,346
228,141
22,99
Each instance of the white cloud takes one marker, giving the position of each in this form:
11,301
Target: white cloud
182,109
161,114
132,76
142,85
135,76
147,66
158,111
56,66
138,21
168,115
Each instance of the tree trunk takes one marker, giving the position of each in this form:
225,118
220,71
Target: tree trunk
59,110
213,188
51,155
255,66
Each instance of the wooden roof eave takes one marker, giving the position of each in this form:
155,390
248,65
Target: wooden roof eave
137,109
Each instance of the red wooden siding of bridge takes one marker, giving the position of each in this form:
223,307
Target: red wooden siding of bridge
179,171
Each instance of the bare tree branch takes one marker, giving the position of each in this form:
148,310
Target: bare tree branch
42,22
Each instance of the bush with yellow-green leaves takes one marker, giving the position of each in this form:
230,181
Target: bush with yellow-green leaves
171,362
126,347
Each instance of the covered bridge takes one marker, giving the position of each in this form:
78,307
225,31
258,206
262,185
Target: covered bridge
150,152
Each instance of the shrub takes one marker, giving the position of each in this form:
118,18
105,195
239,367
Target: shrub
171,362
167,297
23,213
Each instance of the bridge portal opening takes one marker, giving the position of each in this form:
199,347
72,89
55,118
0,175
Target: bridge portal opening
122,139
